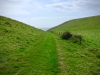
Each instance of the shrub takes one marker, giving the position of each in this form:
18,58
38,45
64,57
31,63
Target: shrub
66,35
98,56
77,38
74,38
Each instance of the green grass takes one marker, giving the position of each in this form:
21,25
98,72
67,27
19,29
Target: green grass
15,38
81,24
81,59
42,59
26,50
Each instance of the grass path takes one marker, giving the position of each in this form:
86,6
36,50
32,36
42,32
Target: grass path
61,58
42,59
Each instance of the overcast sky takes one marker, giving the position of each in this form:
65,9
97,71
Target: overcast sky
48,13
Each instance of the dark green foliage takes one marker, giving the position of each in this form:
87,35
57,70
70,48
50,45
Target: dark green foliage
98,56
66,35
74,38
77,39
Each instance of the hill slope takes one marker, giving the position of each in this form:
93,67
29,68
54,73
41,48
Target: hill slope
16,34
15,38
25,50
81,59
88,23
88,27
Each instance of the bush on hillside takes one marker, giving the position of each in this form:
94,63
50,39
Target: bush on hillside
66,35
74,38
77,39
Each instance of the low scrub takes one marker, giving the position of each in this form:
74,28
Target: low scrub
66,35
75,38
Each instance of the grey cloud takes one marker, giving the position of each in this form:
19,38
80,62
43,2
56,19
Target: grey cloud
77,5
62,6
90,5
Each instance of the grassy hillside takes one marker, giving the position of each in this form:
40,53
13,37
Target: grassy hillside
88,23
15,34
81,59
25,50
88,27
15,40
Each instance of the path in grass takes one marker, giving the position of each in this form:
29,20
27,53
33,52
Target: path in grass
42,59
61,57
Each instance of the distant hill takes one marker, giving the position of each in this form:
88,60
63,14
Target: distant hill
81,24
44,29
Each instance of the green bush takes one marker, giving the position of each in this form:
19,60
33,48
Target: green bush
77,38
74,38
66,35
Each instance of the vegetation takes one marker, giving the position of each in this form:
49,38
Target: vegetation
66,35
81,24
76,38
80,59
26,50
15,41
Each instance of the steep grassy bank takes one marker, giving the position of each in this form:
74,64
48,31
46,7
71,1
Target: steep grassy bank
15,38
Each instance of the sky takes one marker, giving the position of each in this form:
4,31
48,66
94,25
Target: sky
48,13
